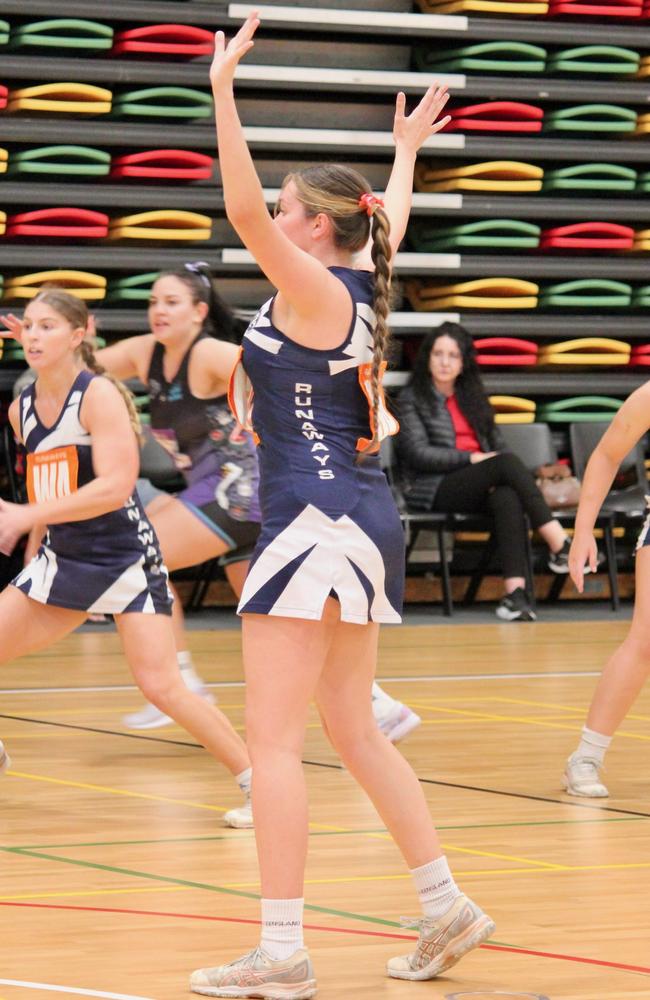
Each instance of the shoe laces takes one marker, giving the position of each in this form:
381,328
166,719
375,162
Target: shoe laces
587,767
415,923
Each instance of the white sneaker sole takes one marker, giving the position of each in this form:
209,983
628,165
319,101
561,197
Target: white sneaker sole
515,616
139,720
403,728
236,822
472,937
274,991
5,760
572,790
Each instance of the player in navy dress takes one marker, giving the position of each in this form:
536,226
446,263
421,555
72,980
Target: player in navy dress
329,562
99,552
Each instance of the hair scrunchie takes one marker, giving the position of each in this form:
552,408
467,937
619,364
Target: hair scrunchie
369,202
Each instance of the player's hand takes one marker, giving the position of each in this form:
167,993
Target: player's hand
16,520
583,552
13,327
226,57
412,130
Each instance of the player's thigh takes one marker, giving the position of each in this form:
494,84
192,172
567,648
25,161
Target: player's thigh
184,539
26,626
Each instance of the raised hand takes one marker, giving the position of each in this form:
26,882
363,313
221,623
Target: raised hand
227,57
412,130
14,327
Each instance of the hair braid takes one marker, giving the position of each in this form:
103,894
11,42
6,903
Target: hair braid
91,362
381,254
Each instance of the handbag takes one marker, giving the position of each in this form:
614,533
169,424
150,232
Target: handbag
558,486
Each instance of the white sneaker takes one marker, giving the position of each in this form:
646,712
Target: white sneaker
581,777
393,718
5,759
151,717
241,818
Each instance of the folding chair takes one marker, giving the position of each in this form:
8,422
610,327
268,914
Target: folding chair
512,409
83,284
164,224
585,351
483,293
591,177
163,102
591,118
490,57
507,352
63,33
588,236
496,116
493,175
579,409
165,40
62,98
586,293
61,161
73,223
169,164
595,60
494,234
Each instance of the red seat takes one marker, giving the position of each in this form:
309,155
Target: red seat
74,222
589,236
496,116
165,39
505,351
3,96
640,355
179,164
594,8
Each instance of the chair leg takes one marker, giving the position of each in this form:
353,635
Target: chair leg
447,600
478,574
201,584
610,552
530,576
557,585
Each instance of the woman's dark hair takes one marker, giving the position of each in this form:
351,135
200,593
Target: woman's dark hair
469,389
221,321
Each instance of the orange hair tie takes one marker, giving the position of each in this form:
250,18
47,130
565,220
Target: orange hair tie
369,202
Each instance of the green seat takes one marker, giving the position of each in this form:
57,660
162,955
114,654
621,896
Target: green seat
12,352
163,102
497,57
64,33
591,177
641,297
644,182
74,161
487,233
591,118
594,59
579,409
134,288
587,293
4,32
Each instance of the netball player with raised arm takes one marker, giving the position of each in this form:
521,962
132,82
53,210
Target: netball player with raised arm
627,670
100,553
329,563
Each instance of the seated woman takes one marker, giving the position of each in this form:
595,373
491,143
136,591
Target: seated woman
452,457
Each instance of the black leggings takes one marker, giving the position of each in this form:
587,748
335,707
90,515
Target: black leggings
503,487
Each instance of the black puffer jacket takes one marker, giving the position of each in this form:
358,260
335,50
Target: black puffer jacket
426,446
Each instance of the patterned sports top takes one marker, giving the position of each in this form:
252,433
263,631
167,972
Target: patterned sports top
310,409
59,462
198,433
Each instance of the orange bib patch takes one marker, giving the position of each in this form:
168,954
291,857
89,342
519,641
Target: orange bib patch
52,474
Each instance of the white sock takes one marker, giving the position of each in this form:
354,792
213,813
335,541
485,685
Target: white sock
593,745
377,692
435,887
184,658
281,927
244,779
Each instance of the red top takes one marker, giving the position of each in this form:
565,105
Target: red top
466,439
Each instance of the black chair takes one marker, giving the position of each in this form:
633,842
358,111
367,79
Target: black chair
415,522
627,495
533,444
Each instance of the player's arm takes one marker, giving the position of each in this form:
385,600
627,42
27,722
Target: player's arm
128,358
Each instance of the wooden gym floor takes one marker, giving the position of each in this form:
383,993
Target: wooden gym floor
118,877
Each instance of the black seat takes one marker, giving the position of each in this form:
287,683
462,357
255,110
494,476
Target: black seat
627,495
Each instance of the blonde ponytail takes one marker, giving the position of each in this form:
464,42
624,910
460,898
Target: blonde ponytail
91,362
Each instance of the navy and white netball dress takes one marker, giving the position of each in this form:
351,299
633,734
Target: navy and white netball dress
218,464
329,523
108,564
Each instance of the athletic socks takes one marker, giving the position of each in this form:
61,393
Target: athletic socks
435,887
244,779
281,927
593,745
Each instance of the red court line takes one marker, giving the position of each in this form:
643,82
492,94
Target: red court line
339,930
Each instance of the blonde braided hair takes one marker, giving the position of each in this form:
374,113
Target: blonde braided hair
345,196
74,310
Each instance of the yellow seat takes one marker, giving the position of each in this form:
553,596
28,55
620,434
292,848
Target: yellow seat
83,284
644,66
585,351
3,222
524,8
78,98
492,175
513,409
4,156
164,224
642,240
482,293
643,124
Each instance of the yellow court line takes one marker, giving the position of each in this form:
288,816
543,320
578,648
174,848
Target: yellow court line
501,857
93,892
524,720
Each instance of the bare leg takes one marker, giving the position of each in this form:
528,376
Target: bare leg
283,658
627,670
388,779
149,648
26,626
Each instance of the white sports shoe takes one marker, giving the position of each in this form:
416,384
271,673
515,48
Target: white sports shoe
151,717
241,818
5,759
393,718
581,777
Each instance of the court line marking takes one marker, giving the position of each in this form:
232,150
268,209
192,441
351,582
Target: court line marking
511,949
70,989
429,678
